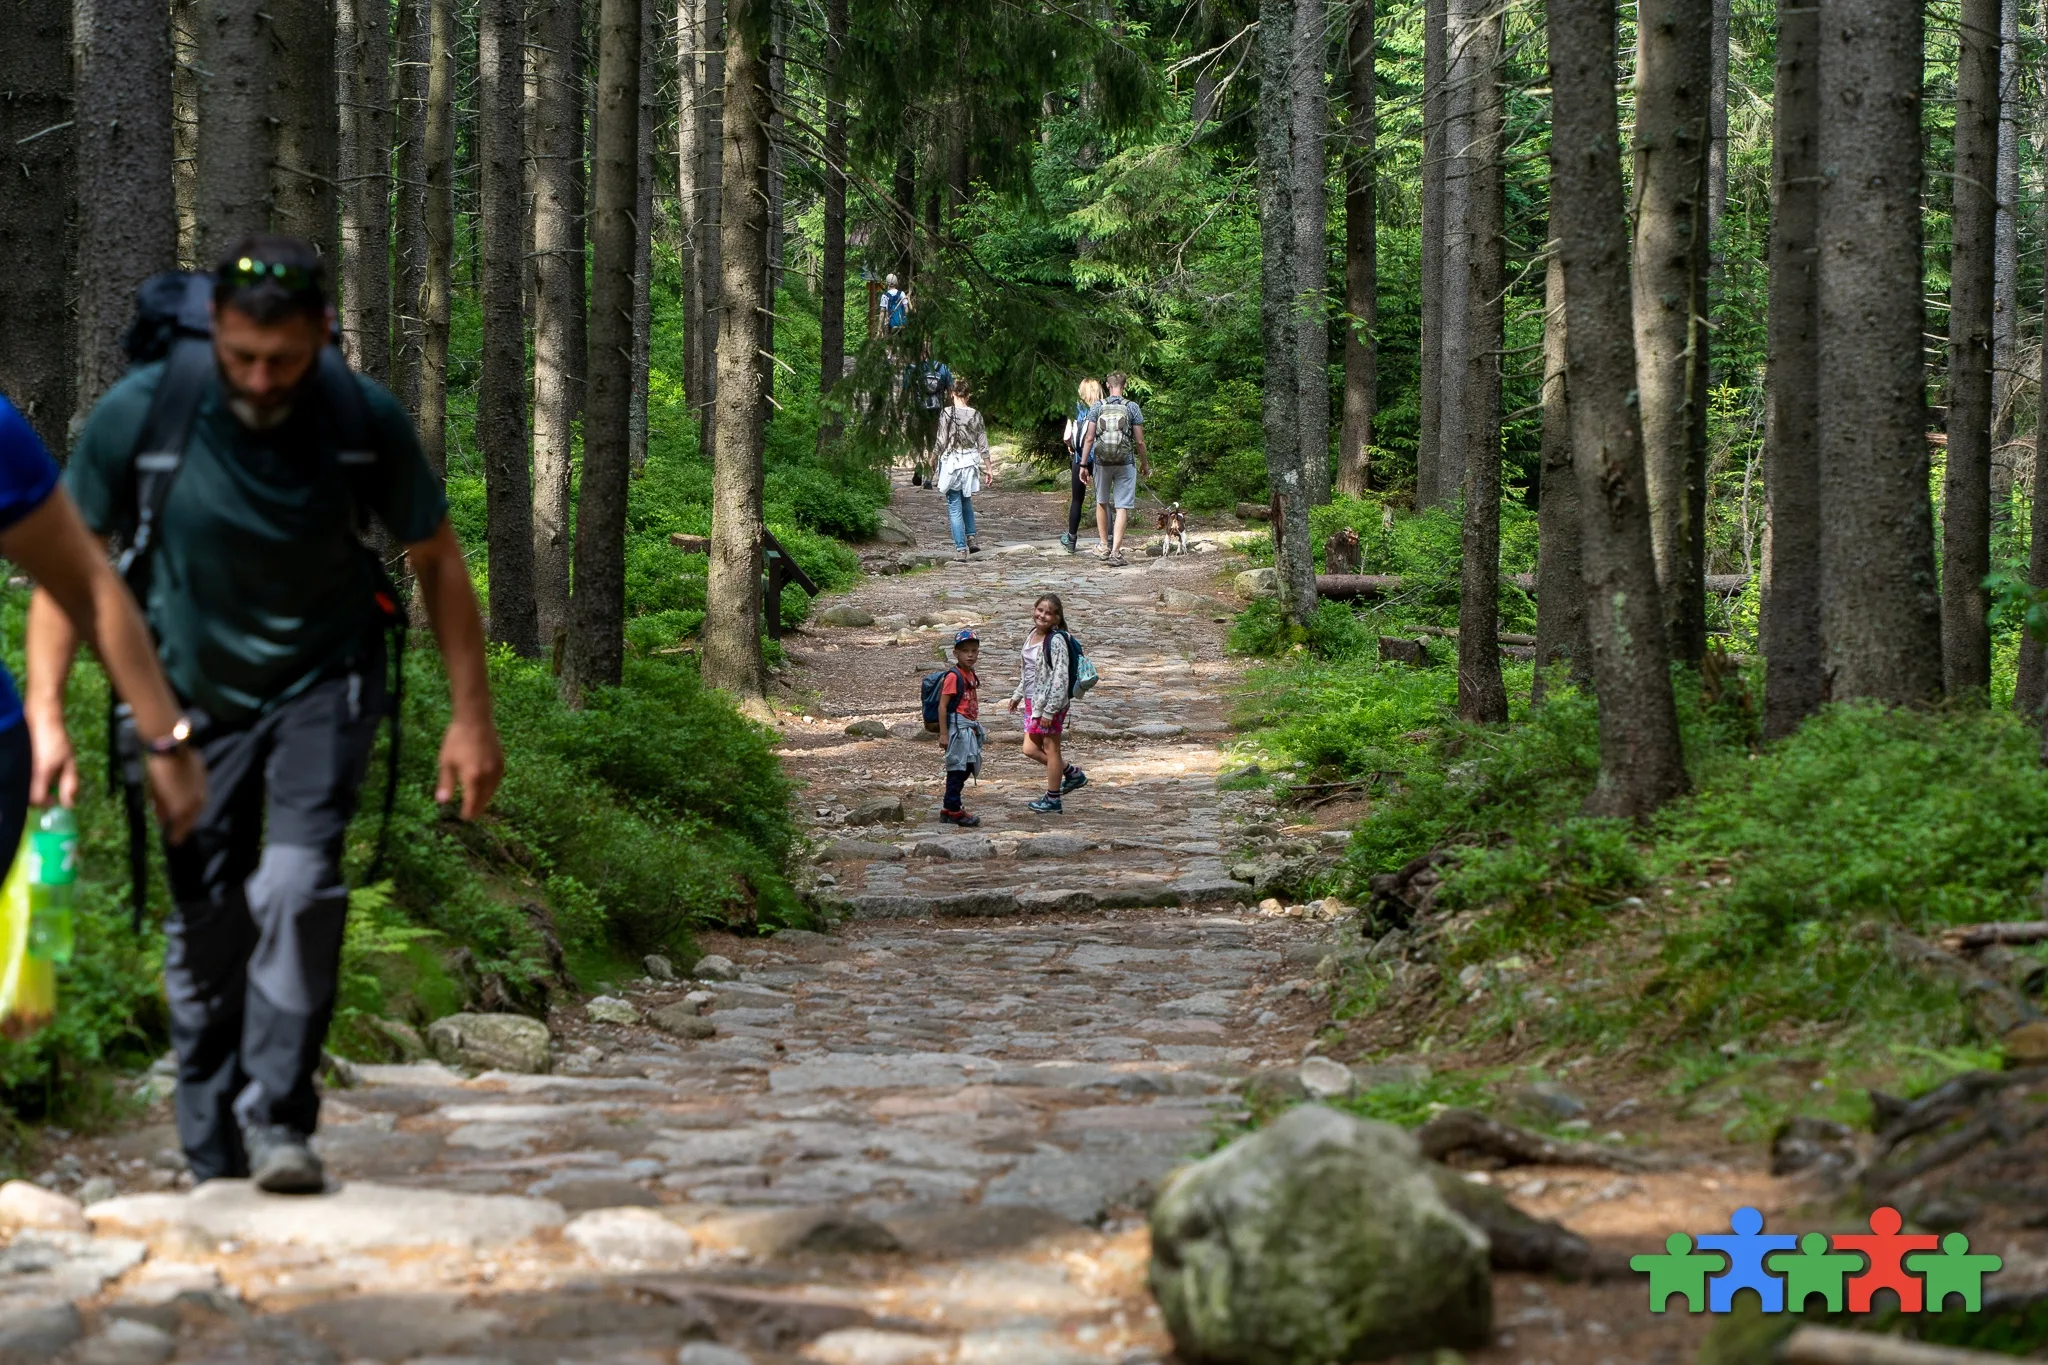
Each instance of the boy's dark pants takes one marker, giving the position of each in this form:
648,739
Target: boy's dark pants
955,784
253,949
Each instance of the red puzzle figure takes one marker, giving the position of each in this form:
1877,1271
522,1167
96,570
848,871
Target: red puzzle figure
1885,1250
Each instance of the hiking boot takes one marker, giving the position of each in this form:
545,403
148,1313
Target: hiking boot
1117,560
1073,781
960,818
973,546
280,1162
1048,804
1067,541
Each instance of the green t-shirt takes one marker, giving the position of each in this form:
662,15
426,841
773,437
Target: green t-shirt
258,583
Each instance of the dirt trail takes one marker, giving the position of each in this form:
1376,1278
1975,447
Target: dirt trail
928,1136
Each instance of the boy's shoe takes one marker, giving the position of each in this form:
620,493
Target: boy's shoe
1047,804
960,818
1067,541
1074,780
280,1162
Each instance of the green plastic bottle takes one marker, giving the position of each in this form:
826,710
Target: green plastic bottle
52,885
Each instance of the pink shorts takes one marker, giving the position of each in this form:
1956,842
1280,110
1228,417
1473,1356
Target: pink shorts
1034,725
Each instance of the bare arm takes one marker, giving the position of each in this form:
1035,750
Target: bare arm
472,759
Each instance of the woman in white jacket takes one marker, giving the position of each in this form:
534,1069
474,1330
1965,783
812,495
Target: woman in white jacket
962,444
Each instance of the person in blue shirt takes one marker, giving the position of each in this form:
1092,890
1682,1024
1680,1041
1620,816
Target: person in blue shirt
41,531
895,307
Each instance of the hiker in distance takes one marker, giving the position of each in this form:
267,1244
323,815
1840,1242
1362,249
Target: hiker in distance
1045,688
929,387
1113,456
270,615
1089,393
962,444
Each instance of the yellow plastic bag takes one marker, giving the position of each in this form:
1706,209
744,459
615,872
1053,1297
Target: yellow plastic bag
28,985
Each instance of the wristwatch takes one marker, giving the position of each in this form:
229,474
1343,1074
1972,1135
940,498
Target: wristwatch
180,735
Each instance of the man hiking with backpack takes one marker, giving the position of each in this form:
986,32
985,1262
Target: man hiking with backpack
1113,457
239,471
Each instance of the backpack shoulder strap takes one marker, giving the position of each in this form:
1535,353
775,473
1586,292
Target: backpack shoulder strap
348,414
160,446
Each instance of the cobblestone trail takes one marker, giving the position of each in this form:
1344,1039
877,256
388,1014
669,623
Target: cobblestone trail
921,1138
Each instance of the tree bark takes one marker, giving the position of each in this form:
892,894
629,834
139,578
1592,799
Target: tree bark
643,242
435,292
1278,310
710,224
1311,115
1880,613
732,610
1673,134
690,93
409,296
771,284
1795,680
1429,483
236,142
1717,125
1560,587
185,127
558,358
127,208
2005,317
596,653
363,42
1966,481
2030,687
36,344
1456,340
501,388
1475,34
302,110
1641,762
1361,247
832,274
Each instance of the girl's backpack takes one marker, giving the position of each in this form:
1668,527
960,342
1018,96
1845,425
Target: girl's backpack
1080,668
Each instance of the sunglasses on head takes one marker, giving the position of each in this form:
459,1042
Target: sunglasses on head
293,279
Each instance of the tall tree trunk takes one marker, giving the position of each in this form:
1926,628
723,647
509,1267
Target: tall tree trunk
832,275
558,358
643,243
1641,762
1361,247
1673,133
1279,326
2030,688
771,284
1457,342
302,108
1311,115
1880,612
732,609
185,127
1966,484
1429,483
690,91
597,612
1717,123
1560,587
501,389
363,39
1795,680
710,222
36,346
127,209
435,292
2005,318
1475,34
409,296
236,140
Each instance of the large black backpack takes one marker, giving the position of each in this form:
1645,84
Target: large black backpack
173,323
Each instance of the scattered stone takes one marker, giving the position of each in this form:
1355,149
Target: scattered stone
127,1341
1321,1237
891,529
658,967
1325,1079
31,1336
1052,846
490,1042
713,967
398,1326
1828,1151
1259,583
682,1021
401,1035
844,614
860,851
610,1009
869,729
1179,599
357,1216
866,1346
1156,730
711,1353
956,847
876,811
630,1238
96,1189
1548,1102
2026,1045
1378,1074
773,1234
28,1205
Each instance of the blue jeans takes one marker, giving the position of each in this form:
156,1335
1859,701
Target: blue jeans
960,516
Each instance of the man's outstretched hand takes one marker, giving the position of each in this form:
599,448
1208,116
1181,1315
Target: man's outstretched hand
472,761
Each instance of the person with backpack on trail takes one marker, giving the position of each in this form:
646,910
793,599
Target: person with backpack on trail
1090,393
929,385
895,308
962,445
1113,453
270,615
960,723
1045,688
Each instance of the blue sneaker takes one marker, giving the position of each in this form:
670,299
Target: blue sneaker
1074,780
1067,541
1047,804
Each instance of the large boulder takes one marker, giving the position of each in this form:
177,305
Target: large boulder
1259,582
1320,1238
891,529
490,1042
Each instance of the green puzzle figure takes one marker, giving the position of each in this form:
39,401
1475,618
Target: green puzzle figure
1814,1270
1954,1271
1680,1270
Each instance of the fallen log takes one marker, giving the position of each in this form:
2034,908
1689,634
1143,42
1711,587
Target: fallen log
1468,1132
1518,1241
1726,584
690,545
1414,653
1968,938
1254,511
1349,585
1832,1346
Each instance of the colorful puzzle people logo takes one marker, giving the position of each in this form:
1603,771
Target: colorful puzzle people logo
1785,1280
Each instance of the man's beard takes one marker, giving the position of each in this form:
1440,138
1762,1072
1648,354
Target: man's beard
260,419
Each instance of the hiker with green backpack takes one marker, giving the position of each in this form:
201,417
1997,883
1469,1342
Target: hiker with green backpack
239,470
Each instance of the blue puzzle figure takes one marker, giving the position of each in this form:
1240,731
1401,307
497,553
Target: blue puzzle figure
1745,1252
